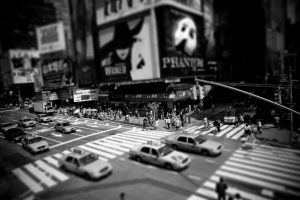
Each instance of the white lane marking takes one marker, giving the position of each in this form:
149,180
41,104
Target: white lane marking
273,157
207,193
195,177
40,175
52,161
238,135
270,166
97,133
234,131
111,140
57,174
260,176
98,146
142,135
226,129
142,138
50,139
125,137
267,193
56,134
28,181
271,172
255,181
195,197
66,152
265,161
210,161
111,145
77,134
279,154
274,148
128,140
101,153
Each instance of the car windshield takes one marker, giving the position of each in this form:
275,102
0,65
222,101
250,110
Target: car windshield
88,159
66,124
35,140
200,139
165,150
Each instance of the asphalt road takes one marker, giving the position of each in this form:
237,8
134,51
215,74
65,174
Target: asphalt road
140,180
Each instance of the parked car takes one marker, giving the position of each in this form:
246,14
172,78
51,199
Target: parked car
7,125
14,135
64,127
27,122
160,154
86,164
43,118
193,142
34,144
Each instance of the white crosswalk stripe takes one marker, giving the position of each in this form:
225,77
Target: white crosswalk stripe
258,174
46,172
227,131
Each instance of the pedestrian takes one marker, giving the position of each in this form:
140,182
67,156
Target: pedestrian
221,188
213,107
247,129
122,196
259,125
277,121
206,125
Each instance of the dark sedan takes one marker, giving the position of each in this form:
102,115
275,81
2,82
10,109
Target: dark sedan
14,135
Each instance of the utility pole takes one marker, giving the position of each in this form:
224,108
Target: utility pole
291,101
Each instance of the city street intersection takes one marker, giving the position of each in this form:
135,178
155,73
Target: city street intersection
261,172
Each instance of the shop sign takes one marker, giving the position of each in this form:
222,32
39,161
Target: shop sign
153,97
51,38
85,95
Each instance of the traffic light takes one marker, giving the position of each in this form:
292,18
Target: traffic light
277,97
201,92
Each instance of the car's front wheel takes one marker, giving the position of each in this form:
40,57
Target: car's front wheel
204,152
138,158
168,166
87,176
174,146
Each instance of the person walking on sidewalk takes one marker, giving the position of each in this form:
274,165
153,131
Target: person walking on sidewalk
221,188
259,125
213,107
206,124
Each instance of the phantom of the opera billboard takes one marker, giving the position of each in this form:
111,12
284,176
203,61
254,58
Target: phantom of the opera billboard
181,42
125,51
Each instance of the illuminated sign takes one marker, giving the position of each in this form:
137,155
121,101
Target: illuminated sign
51,38
86,95
181,42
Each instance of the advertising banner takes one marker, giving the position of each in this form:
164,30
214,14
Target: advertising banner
57,73
24,65
109,10
85,95
181,42
51,38
125,51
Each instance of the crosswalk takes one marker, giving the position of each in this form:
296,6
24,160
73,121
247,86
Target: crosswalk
45,173
227,131
270,172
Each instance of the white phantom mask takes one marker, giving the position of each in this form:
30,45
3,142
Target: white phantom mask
186,35
122,53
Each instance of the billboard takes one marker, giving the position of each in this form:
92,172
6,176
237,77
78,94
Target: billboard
125,51
85,95
109,10
24,66
57,73
181,42
51,38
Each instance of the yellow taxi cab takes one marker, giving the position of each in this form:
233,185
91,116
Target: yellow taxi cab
85,163
157,153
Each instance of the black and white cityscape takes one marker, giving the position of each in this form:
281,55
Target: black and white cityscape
150,99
